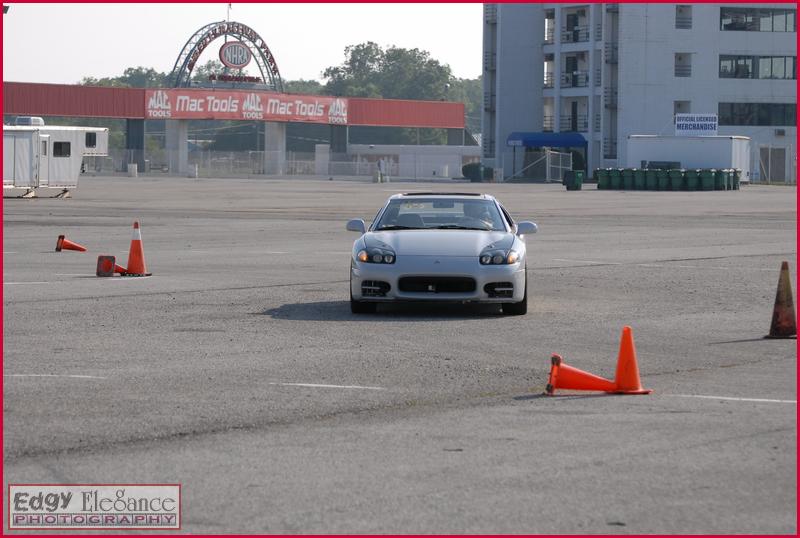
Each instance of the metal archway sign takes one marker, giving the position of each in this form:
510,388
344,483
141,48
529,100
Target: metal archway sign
182,70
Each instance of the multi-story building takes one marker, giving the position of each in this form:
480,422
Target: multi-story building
608,71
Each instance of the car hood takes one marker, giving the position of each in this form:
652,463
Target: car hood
439,242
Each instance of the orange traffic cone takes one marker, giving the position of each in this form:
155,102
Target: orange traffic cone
784,324
136,265
627,377
66,244
567,377
107,266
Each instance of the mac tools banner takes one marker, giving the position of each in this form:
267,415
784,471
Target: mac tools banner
180,104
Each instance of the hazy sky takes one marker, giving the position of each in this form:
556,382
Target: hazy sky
62,43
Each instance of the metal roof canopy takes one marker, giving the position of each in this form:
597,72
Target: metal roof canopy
547,140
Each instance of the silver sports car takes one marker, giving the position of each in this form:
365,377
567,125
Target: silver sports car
458,247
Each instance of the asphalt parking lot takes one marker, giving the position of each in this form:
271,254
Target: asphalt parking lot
238,370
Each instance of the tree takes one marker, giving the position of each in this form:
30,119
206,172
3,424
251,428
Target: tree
395,73
132,77
308,87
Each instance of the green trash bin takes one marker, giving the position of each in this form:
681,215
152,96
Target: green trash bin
601,174
579,179
676,179
663,179
639,182
720,178
573,179
627,179
737,177
707,179
651,179
615,178
692,179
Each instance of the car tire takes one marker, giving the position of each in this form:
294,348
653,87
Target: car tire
520,308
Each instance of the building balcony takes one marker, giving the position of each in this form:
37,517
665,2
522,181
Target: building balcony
579,34
612,8
597,122
578,123
547,123
549,36
576,79
598,77
683,70
612,53
609,148
490,13
598,32
489,101
490,61
610,97
549,80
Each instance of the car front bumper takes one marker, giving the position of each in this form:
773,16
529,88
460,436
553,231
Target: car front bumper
440,269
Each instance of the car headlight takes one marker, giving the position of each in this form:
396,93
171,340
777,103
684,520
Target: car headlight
375,255
499,257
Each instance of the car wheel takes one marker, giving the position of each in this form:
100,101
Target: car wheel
361,307
520,308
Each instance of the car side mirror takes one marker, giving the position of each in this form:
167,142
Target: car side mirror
356,225
526,227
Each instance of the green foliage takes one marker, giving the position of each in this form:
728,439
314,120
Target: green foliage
394,73
132,77
308,87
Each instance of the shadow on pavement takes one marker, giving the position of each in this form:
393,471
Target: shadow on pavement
340,311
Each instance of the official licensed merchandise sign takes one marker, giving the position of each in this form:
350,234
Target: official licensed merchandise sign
696,125
190,104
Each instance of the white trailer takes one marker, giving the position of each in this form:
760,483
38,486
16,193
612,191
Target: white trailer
48,156
719,152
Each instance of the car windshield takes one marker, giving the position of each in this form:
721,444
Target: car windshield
441,214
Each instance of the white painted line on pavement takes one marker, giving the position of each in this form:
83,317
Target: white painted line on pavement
314,385
275,252
9,252
22,283
56,375
764,400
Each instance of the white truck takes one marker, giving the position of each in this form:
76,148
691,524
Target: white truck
40,156
720,152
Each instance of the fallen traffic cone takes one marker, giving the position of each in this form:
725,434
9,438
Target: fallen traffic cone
567,377
65,244
627,378
784,324
107,266
136,265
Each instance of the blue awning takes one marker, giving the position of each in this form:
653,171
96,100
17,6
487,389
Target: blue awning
549,140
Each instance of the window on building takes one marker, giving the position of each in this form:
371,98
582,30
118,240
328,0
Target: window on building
61,149
757,20
683,64
681,107
44,148
91,140
757,114
757,67
683,17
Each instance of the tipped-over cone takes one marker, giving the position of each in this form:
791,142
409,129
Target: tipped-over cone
784,324
563,376
107,266
63,243
627,378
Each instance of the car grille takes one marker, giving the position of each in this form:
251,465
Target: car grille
437,284
499,289
374,288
